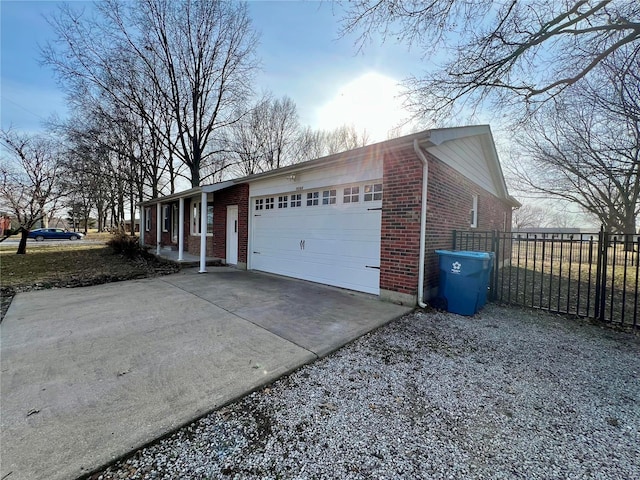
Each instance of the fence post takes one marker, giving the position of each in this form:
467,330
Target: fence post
495,247
601,274
596,303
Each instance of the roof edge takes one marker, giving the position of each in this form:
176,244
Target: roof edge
426,138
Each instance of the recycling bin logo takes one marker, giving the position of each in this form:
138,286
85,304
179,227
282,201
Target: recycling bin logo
456,267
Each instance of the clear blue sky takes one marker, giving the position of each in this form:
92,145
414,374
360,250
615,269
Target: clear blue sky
301,54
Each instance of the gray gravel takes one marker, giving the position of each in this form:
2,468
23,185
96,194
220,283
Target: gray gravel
506,394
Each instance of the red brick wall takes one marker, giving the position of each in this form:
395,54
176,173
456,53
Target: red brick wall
449,202
236,195
150,235
165,237
193,245
400,236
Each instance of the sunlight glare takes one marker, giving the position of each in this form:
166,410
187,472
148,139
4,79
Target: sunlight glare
370,102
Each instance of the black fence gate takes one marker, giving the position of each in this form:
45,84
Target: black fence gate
587,274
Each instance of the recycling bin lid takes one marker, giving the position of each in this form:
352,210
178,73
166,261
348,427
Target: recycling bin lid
465,253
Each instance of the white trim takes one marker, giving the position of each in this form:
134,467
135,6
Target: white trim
143,224
181,229
158,227
203,228
196,203
147,218
232,236
166,217
423,222
194,211
474,212
192,192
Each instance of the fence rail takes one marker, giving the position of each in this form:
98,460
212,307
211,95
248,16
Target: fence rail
590,275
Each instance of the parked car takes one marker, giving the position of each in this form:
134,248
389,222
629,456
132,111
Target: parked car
41,234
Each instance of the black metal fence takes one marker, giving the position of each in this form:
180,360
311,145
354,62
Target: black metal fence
590,275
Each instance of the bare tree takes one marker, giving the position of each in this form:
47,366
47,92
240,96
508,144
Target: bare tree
585,148
504,52
29,182
319,143
265,137
530,217
282,126
195,59
247,145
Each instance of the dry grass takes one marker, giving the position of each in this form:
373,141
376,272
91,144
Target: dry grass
48,264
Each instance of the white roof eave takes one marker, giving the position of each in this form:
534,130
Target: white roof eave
425,138
192,192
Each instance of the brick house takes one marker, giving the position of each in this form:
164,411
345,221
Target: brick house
353,220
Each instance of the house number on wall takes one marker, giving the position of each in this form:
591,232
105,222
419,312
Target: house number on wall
299,188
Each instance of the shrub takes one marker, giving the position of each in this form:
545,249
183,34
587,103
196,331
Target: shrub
127,246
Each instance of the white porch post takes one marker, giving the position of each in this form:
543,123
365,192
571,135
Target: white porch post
158,227
142,225
180,229
203,233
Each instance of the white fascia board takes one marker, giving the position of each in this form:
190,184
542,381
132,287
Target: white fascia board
441,135
192,192
344,157
491,154
174,196
438,136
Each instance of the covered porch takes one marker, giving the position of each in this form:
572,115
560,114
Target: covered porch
188,259
181,254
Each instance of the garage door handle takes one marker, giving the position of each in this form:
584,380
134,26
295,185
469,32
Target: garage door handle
257,253
379,208
371,266
235,227
301,244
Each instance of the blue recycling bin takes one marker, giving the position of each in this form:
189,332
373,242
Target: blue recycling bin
464,280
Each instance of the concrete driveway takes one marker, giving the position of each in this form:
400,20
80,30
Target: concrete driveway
90,374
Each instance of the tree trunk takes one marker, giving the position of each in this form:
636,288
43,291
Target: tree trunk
172,175
132,212
196,155
22,246
629,232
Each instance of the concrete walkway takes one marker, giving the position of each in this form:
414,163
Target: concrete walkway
90,374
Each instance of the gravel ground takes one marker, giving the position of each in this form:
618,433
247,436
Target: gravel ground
507,394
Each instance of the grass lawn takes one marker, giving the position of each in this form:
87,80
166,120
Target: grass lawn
69,265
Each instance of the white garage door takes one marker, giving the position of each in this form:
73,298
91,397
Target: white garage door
329,235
